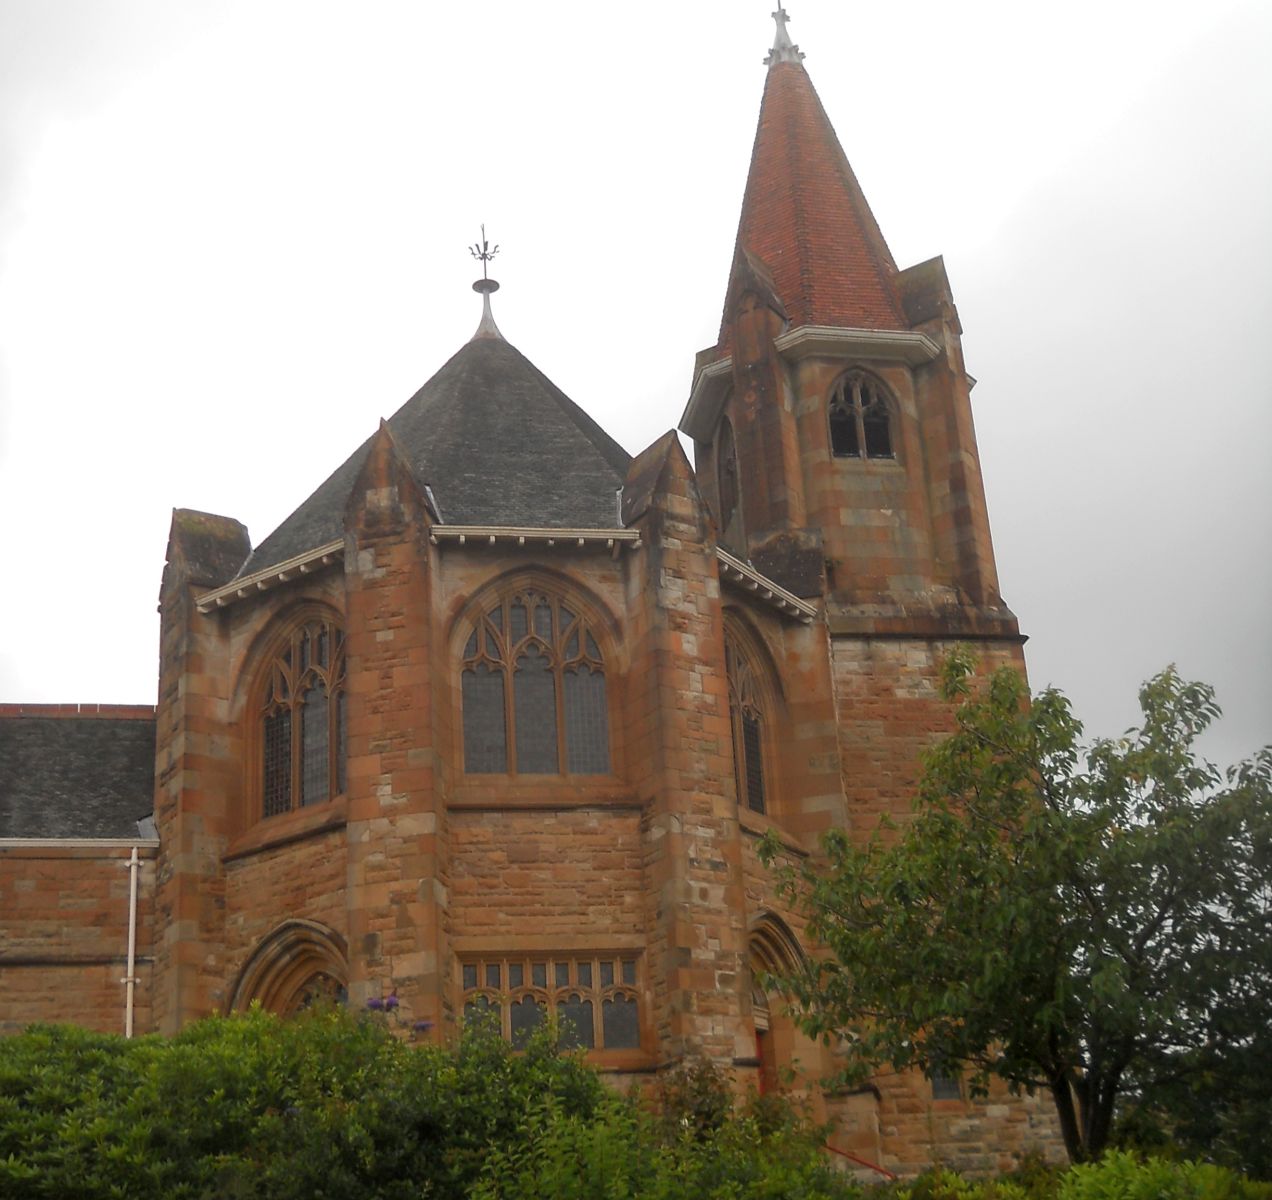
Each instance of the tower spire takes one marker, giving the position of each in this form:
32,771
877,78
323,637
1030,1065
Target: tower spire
784,50
485,253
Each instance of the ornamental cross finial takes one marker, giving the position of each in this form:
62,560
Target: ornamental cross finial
784,50
483,252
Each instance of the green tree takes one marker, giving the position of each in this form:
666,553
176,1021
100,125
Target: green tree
1062,918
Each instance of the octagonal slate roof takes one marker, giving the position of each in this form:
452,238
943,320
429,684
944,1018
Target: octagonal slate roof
499,444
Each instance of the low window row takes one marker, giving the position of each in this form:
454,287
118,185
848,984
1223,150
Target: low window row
592,999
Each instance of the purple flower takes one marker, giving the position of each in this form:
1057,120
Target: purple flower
391,1001
422,1026
375,1003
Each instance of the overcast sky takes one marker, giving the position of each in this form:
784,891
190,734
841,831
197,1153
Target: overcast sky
233,236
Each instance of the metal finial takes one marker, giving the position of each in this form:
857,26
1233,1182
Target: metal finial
784,50
482,251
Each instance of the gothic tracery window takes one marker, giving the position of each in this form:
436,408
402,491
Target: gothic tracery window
860,418
533,690
747,716
303,719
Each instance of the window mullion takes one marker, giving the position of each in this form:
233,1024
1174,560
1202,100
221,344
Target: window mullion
509,690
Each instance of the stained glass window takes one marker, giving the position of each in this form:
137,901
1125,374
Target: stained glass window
534,698
302,719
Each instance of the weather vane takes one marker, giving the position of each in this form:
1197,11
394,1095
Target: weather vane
483,251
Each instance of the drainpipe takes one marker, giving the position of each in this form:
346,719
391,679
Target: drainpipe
130,980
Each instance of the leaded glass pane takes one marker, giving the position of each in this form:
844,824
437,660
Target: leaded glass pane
874,418
561,974
754,763
843,428
586,722
492,975
322,647
593,650
543,621
516,974
629,970
620,1026
519,626
485,739
470,976
575,1016
539,974
584,970
534,694
945,1087
277,756
470,650
475,1010
526,1015
607,974
315,747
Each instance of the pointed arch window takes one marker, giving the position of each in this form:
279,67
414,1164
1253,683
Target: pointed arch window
860,418
727,486
303,719
533,690
748,718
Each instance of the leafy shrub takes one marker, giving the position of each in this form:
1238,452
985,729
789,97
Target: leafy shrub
1122,1176
327,1105
1117,1176
330,1106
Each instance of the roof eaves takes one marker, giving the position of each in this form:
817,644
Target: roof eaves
261,581
745,577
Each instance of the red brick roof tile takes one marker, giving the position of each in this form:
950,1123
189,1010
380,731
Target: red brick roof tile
804,215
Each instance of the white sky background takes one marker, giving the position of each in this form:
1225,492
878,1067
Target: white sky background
233,236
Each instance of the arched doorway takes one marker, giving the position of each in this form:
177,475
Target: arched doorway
298,964
772,949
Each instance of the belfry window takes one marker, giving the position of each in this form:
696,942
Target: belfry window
746,715
303,720
533,691
860,418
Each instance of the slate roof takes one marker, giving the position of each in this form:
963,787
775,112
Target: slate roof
75,776
805,217
499,444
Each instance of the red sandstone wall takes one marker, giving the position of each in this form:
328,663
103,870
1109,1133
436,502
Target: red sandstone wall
65,944
890,711
304,880
563,879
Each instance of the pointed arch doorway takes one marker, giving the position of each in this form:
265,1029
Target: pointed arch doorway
298,964
772,949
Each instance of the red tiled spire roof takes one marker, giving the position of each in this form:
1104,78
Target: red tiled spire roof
805,217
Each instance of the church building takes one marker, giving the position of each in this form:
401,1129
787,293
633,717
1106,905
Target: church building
496,719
